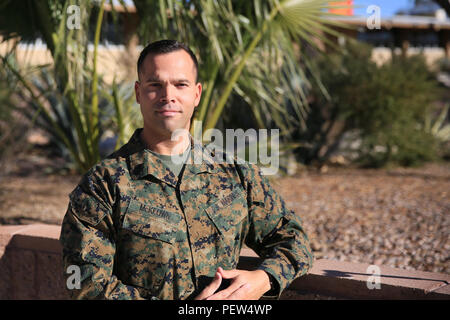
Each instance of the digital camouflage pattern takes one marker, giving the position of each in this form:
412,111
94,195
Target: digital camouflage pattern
138,232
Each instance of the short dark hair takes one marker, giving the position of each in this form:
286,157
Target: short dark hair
166,46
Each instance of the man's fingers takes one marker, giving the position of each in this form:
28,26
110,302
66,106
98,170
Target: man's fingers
214,285
240,292
228,274
235,284
225,293
237,293
211,288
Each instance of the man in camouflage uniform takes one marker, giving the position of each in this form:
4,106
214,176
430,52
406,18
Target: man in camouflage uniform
140,226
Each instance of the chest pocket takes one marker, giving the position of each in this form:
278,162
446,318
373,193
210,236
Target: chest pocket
228,212
151,222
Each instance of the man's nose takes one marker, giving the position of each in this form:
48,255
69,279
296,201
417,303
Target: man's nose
167,93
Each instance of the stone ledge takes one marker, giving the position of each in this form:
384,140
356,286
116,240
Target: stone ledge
348,280
31,268
40,237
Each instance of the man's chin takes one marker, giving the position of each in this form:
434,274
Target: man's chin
169,130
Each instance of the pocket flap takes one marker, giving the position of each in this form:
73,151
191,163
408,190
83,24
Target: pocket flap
228,211
151,222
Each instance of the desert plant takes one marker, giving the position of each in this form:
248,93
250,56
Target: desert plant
397,102
386,105
326,119
12,127
76,80
439,126
127,115
247,51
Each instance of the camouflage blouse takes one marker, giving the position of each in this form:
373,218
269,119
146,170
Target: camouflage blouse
137,231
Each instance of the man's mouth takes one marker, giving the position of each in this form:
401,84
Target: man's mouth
167,112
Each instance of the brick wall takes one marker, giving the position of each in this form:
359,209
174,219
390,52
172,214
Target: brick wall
31,268
31,263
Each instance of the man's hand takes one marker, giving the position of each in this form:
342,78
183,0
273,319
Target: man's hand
211,288
245,285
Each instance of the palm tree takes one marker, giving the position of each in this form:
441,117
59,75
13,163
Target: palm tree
75,70
249,50
251,53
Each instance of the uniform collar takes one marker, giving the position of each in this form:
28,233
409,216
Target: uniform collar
143,163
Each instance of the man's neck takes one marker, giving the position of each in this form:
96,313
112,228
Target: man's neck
164,144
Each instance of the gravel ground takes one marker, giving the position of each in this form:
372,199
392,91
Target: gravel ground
398,217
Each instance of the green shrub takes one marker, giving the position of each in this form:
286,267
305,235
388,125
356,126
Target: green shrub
326,121
387,105
12,127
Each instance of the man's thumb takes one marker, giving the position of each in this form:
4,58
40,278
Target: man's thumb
211,288
228,274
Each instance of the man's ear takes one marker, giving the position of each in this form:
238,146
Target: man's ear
198,93
136,91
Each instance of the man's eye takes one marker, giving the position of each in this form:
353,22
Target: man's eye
181,85
154,85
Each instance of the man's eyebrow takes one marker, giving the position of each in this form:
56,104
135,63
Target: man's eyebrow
153,79
181,80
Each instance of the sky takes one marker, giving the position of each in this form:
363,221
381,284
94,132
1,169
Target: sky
387,7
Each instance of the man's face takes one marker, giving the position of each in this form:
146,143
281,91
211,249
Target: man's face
167,92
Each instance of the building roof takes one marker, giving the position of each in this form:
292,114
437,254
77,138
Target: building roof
399,21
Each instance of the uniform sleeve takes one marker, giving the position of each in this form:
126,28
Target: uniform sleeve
88,242
276,233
